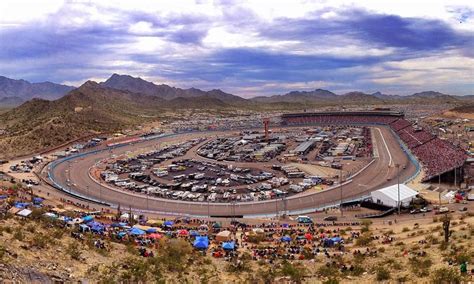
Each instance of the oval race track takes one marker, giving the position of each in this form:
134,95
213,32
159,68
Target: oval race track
375,176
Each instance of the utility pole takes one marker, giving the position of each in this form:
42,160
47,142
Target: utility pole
398,186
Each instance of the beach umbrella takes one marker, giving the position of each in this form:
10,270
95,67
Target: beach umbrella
168,223
286,238
216,225
308,236
183,233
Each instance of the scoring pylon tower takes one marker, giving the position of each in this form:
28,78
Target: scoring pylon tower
266,122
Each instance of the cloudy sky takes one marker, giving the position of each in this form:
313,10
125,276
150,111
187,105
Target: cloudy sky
247,48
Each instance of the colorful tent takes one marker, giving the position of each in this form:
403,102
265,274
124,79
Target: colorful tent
286,238
228,245
96,226
168,223
155,236
136,232
223,236
201,242
88,218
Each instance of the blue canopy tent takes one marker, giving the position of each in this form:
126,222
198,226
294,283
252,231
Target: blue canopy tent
96,226
168,223
286,239
121,234
201,242
21,205
88,218
136,232
37,200
228,245
151,230
329,242
84,228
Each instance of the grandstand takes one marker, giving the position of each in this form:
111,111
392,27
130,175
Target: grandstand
437,156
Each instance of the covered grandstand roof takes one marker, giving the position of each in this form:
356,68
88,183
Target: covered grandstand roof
363,113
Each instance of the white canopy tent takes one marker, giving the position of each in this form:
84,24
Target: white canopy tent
388,196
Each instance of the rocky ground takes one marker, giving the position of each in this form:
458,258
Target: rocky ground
37,250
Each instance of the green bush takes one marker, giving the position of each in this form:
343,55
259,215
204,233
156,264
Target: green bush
18,235
365,239
74,251
382,273
294,271
420,266
446,275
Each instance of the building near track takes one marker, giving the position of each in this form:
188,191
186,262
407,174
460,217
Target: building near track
388,196
341,117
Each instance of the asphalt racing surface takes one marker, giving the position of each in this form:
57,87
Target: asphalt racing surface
74,174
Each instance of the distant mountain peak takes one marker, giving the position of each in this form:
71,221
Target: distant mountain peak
25,90
163,91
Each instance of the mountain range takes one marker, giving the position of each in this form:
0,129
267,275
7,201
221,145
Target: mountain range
14,91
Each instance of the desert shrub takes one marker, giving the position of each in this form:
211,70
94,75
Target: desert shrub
18,235
296,272
74,251
30,228
328,271
365,226
382,273
420,266
135,270
357,270
58,233
41,241
7,229
241,265
365,239
446,275
174,254
3,252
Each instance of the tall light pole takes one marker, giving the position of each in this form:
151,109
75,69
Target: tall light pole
340,185
276,207
398,186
